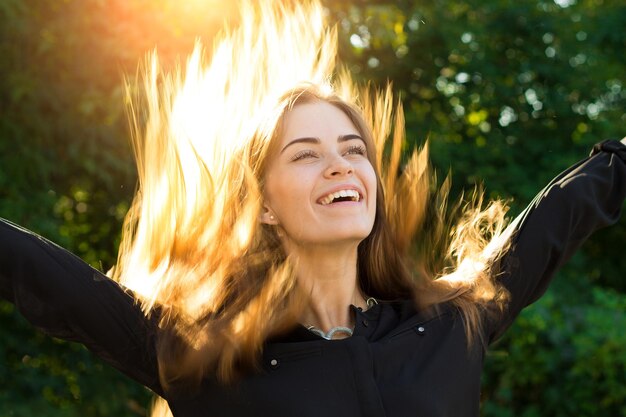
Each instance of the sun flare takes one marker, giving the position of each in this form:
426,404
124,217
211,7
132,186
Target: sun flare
190,148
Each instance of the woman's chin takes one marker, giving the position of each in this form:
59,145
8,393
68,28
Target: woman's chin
335,238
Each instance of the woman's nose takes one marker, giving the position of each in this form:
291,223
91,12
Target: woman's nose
338,166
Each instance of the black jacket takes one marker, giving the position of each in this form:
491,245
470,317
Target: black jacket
399,362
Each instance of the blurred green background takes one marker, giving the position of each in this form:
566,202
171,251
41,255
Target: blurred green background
508,93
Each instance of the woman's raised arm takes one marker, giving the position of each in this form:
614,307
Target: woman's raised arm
65,297
582,199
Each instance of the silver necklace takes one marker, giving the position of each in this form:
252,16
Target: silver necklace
331,332
371,302
339,329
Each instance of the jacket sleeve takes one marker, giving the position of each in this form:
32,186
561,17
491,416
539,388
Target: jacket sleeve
65,297
579,201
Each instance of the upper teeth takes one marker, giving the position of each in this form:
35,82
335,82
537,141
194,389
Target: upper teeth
342,193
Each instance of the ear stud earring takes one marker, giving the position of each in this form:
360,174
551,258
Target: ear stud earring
272,217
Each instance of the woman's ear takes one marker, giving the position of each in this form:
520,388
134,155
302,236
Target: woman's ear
268,216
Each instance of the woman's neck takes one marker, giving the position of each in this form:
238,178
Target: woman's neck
329,278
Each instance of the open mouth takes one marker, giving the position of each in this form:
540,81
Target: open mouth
340,196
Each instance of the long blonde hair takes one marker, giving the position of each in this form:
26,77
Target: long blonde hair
193,246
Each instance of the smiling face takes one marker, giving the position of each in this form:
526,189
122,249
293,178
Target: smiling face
320,187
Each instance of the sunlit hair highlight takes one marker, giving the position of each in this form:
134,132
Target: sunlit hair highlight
193,248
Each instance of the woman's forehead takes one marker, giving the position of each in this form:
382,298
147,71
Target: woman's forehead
318,119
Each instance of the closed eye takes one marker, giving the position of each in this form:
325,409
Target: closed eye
356,150
307,153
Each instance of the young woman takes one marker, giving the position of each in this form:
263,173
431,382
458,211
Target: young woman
276,263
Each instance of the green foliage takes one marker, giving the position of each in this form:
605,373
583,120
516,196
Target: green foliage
561,359
507,92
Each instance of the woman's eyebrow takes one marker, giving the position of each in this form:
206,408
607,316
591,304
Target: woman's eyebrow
351,136
317,141
301,140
